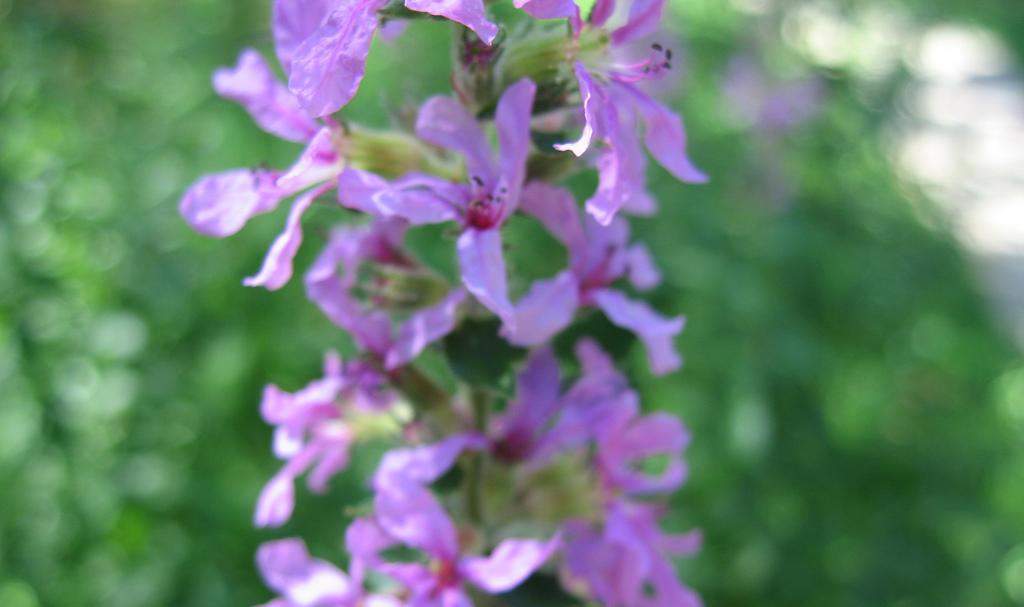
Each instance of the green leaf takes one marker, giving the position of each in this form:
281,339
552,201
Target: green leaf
478,355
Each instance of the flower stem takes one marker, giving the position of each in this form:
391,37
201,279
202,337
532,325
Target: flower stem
480,401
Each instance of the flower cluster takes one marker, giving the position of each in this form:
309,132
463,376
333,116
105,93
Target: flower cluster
483,487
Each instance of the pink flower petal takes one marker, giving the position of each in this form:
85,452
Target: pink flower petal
655,331
483,271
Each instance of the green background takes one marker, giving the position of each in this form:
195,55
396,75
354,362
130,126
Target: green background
857,415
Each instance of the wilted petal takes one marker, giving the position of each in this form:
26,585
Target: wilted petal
556,209
593,100
221,204
413,516
270,103
444,122
511,562
470,13
644,18
318,163
328,66
293,21
642,272
483,271
277,265
664,136
424,464
512,119
655,331
303,581
546,309
423,328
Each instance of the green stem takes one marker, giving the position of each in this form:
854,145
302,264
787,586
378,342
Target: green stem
480,401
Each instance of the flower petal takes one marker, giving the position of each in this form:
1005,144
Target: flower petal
328,66
294,21
642,272
483,271
423,328
592,99
253,85
511,562
413,516
303,581
664,135
318,163
276,501
277,265
549,9
424,464
644,18
444,122
655,331
470,13
621,168
411,198
546,309
221,204
512,119
556,209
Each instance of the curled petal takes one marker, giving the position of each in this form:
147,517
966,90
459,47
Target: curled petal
511,562
303,581
545,310
221,204
512,119
655,331
470,13
271,105
294,21
593,101
642,272
483,271
444,122
328,66
277,266
423,328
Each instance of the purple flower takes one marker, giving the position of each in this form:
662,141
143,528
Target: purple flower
613,105
598,257
303,581
408,513
323,44
626,562
480,206
311,431
379,243
221,204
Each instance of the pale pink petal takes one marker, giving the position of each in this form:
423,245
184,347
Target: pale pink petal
621,168
424,464
423,328
303,581
318,163
644,18
549,9
276,502
664,136
221,204
292,22
483,271
271,105
444,122
277,265
413,516
509,564
328,66
655,331
470,13
643,274
546,309
410,198
592,99
512,119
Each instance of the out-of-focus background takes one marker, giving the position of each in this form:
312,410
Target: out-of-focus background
853,278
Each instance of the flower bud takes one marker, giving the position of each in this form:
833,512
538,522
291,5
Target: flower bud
400,288
393,153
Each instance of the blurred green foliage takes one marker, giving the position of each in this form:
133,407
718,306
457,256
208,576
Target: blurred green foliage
858,418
